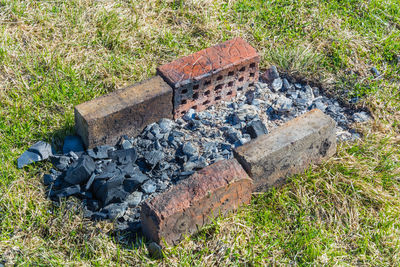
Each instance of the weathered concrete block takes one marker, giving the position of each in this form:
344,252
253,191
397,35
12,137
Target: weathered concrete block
288,149
214,190
211,75
124,112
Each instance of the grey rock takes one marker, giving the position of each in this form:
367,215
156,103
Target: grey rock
41,148
134,199
149,187
27,158
72,143
80,171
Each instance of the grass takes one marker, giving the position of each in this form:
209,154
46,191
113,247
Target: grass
57,54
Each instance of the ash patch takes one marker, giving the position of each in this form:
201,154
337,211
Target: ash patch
112,182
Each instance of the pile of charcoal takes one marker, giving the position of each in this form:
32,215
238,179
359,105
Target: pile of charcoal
113,181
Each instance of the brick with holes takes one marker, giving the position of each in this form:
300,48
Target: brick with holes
289,149
210,75
212,191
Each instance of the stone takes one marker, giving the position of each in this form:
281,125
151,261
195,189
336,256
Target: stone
81,170
27,158
289,149
183,209
211,75
271,74
41,148
72,143
123,156
134,199
256,129
277,84
149,187
361,116
126,111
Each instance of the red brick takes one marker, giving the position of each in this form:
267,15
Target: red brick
216,189
210,75
289,149
124,112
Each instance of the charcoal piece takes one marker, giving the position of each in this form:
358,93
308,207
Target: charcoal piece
155,250
149,187
90,181
92,204
131,184
110,167
256,129
115,181
286,86
99,152
154,157
108,175
233,119
124,156
190,115
166,125
113,195
189,149
73,155
27,158
126,144
271,74
232,136
91,154
87,213
85,194
81,170
250,95
276,85
49,179
195,164
72,143
41,148
60,162
66,192
97,185
98,216
115,210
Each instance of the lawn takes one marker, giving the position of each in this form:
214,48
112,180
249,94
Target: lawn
57,54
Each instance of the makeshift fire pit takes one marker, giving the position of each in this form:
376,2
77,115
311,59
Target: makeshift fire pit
114,180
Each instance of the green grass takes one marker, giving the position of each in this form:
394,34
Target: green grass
57,54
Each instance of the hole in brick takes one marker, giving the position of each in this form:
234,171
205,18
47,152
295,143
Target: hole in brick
219,78
195,87
184,91
229,93
195,95
206,102
230,73
183,112
207,83
241,79
230,84
207,92
194,107
252,65
240,89
242,69
252,74
218,87
217,98
184,101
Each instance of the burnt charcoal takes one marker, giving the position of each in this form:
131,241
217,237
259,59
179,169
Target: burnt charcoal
143,143
134,199
92,204
110,167
108,175
256,129
138,176
196,163
124,156
232,136
85,194
271,74
27,158
154,157
60,162
250,95
115,210
115,181
41,148
72,143
99,152
97,185
189,149
99,216
90,181
166,125
81,170
131,184
149,187
233,119
66,192
73,155
155,250
49,179
113,195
